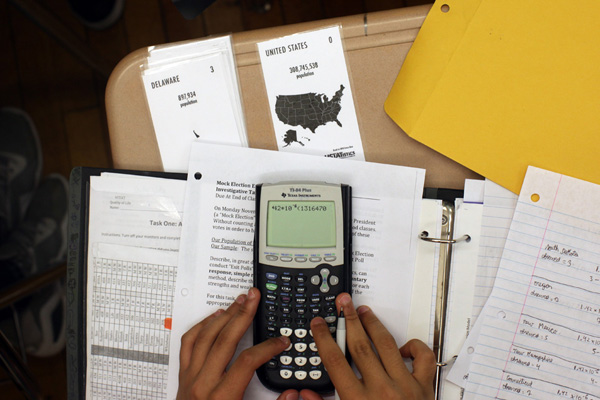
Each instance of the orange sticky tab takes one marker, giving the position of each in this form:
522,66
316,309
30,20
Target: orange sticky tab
168,323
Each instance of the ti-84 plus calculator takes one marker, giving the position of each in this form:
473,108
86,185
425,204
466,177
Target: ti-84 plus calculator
302,261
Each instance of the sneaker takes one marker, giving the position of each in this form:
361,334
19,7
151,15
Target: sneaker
43,322
20,167
97,14
40,240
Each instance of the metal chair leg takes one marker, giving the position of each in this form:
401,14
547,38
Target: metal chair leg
17,370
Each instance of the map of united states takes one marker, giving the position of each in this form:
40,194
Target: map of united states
309,110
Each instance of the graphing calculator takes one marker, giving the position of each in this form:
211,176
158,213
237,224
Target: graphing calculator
302,261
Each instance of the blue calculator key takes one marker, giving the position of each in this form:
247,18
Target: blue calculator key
271,276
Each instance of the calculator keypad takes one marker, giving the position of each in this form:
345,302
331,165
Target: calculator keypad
290,300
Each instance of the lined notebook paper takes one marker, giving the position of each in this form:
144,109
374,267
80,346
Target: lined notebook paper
498,208
540,338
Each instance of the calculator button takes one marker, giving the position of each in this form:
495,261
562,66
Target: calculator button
286,309
286,258
301,278
330,258
271,318
300,347
271,258
300,361
315,259
324,286
315,279
315,299
329,309
315,360
271,307
315,374
300,375
271,328
286,289
271,275
300,333
285,299
301,289
272,364
271,297
334,280
315,310
289,347
313,346
300,300
285,360
332,329
331,297
285,373
301,310
286,331
331,319
286,278
301,321
286,320
271,286
301,259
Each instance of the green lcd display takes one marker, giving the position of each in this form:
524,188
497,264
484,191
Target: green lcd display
301,224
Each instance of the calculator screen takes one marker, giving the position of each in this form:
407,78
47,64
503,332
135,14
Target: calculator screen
301,224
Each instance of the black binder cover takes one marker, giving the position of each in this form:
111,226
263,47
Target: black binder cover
77,241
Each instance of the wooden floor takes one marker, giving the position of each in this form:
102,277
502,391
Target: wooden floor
65,97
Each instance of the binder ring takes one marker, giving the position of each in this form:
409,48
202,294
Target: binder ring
445,363
425,236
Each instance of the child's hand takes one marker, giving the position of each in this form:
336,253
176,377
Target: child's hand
208,347
384,376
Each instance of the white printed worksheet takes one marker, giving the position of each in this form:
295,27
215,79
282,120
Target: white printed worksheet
134,231
310,96
216,253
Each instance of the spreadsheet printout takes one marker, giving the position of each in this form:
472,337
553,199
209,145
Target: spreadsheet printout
131,303
134,232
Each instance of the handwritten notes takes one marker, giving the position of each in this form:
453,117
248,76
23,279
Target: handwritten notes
540,336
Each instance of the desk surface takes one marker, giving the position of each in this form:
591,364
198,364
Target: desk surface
376,45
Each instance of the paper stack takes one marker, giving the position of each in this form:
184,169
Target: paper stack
193,93
537,334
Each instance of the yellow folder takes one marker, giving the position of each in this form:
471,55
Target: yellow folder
498,85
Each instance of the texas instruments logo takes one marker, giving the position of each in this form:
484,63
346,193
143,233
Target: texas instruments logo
283,195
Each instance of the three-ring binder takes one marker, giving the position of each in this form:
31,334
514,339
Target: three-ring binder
425,236
446,242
